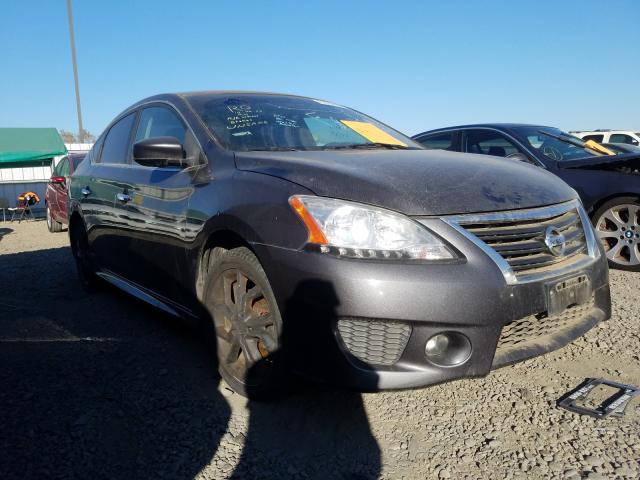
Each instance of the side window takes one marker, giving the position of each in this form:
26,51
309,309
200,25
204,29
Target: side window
622,138
159,122
442,141
94,154
164,122
58,168
116,143
595,138
63,167
487,142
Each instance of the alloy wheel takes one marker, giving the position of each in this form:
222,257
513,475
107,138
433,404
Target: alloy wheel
245,327
619,231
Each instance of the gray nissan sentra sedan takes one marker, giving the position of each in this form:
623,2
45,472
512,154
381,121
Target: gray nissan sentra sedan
308,237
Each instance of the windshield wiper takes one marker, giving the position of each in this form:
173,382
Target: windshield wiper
390,146
576,142
274,149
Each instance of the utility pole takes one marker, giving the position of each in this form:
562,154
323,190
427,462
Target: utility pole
75,71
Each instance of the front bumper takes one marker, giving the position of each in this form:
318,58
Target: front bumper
316,291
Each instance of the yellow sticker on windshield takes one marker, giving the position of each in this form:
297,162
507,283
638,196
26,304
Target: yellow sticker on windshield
372,133
598,148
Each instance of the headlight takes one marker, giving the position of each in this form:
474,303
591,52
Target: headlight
354,230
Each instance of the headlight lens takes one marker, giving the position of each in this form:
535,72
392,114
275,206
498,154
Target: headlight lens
354,230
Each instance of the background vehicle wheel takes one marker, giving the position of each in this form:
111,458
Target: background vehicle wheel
617,226
52,225
246,321
84,265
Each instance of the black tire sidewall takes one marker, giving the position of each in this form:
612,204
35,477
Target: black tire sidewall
86,274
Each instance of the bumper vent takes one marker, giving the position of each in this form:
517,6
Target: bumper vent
536,334
374,342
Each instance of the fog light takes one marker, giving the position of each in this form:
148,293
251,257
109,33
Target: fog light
448,349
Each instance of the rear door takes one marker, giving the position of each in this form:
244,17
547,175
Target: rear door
158,208
110,175
58,192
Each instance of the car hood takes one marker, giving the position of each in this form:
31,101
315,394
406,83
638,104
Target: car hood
620,162
414,182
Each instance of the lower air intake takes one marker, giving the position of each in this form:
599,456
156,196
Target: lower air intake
373,341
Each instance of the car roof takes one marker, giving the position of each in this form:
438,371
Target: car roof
498,126
215,93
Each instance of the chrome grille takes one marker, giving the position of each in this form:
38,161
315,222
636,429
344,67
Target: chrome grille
519,236
374,342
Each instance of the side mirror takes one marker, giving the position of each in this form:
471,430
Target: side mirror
57,180
159,152
521,157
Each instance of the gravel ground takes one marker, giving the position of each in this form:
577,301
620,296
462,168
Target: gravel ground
103,386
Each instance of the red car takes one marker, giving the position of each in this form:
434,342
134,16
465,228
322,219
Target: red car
56,197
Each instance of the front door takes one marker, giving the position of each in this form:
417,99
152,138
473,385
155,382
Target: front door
157,209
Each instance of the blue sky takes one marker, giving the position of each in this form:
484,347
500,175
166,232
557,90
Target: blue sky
415,65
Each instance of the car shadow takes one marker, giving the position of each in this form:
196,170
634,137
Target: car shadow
314,431
104,386
98,386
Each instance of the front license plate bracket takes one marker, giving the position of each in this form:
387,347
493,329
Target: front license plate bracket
616,404
565,293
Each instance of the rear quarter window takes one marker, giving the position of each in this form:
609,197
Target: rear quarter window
116,142
440,141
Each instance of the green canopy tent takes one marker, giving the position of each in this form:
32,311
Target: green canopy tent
26,145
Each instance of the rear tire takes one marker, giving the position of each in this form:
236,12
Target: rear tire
245,321
52,225
617,227
83,258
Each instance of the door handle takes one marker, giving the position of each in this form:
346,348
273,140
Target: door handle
86,191
123,197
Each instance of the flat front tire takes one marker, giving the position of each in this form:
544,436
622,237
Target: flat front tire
246,322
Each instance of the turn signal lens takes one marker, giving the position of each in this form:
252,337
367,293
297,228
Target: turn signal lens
315,233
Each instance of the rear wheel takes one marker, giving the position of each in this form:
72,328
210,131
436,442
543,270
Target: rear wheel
81,253
52,225
246,321
617,226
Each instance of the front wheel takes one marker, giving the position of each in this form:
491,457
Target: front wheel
246,321
617,226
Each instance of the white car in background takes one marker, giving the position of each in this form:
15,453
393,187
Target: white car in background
610,136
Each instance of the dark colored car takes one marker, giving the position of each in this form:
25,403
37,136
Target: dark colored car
312,238
56,198
609,185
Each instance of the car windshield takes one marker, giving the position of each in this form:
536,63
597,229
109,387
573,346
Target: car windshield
248,122
556,144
